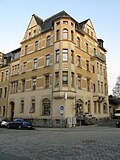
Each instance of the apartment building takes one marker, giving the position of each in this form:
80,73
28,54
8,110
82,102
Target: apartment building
58,73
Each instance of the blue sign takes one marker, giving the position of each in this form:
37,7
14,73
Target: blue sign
62,108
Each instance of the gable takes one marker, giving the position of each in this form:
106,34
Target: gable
32,23
89,29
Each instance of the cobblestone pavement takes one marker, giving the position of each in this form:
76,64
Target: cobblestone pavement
81,143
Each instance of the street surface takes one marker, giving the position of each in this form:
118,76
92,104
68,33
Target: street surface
81,143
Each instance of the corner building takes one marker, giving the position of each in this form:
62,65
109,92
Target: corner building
61,63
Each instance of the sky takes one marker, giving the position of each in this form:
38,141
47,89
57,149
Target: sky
15,16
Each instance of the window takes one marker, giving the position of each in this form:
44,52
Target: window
87,31
58,35
29,35
72,24
98,68
65,55
34,32
47,59
105,87
101,87
3,111
23,85
72,36
33,106
94,51
87,65
105,108
101,69
22,107
48,41
26,49
91,34
72,79
78,42
17,55
58,23
65,34
34,83
35,63
65,78
6,75
79,82
65,22
36,45
24,66
57,56
5,94
89,107
56,78
78,61
99,108
95,107
0,92
46,106
16,86
88,84
87,50
12,70
72,56
94,89
98,86
18,66
93,69
46,80
2,77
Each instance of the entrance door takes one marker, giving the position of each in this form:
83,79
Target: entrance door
12,110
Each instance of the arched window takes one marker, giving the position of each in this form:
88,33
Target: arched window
65,34
105,108
46,106
72,36
22,106
79,107
78,42
48,41
36,45
32,110
58,35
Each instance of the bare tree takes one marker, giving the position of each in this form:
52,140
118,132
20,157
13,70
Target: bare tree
116,89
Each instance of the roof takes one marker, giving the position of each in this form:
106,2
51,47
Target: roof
48,23
82,24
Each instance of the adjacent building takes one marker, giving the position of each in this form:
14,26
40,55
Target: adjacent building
58,73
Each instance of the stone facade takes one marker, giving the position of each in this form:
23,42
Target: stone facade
60,63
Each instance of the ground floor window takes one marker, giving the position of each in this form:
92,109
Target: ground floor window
46,106
105,108
79,106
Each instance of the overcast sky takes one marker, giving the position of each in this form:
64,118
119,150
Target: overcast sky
104,14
